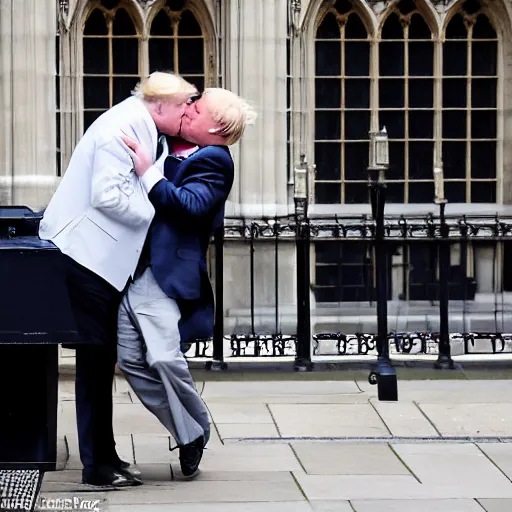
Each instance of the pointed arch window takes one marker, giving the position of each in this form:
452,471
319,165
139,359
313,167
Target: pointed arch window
435,90
470,102
342,105
177,42
110,57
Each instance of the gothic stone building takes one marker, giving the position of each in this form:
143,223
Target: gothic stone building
322,73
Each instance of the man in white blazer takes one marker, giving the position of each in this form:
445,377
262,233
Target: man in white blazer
99,218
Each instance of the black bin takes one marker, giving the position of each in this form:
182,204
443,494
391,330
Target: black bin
35,317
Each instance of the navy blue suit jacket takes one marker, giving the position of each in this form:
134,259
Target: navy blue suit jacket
189,206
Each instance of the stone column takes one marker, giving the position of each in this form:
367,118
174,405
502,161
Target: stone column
255,68
27,128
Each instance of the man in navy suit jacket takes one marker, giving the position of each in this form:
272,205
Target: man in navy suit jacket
171,301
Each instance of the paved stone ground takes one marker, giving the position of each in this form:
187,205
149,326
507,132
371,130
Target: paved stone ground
304,446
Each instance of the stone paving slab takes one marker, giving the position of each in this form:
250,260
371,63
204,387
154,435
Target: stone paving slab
242,457
451,464
220,507
331,506
501,455
240,413
345,459
405,419
246,430
470,419
394,487
448,391
216,390
201,491
327,420
136,419
496,505
416,506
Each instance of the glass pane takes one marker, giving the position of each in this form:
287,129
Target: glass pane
327,93
123,24
96,24
95,56
455,58
418,29
406,6
198,81
161,25
455,192
328,160
421,93
483,124
394,121
355,29
96,92
483,159
421,59
391,59
327,193
356,193
455,92
123,87
395,193
357,59
57,92
472,6
454,124
483,192
421,160
421,192
188,25
328,58
392,28
327,125
329,28
191,56
90,117
161,55
454,159
483,28
357,124
357,93
484,92
126,56
396,161
456,28
356,160
327,252
484,58
421,124
391,93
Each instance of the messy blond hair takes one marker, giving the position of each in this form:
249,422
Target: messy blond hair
231,112
163,86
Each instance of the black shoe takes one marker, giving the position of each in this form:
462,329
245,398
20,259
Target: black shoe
107,476
190,457
123,466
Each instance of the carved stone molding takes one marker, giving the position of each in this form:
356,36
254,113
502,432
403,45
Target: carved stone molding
64,7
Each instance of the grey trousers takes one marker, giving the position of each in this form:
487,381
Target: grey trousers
148,351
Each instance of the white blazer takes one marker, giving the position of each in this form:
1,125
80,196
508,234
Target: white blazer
100,213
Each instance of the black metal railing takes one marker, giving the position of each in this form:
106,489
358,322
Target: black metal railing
261,333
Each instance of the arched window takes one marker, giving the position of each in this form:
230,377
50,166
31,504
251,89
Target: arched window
177,42
406,103
110,58
470,85
342,105
436,94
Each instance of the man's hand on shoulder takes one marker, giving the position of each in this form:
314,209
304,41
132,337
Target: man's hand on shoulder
142,161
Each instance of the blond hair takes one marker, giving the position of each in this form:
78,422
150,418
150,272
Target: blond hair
162,86
231,112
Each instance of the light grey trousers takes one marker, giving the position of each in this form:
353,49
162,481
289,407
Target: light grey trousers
148,352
